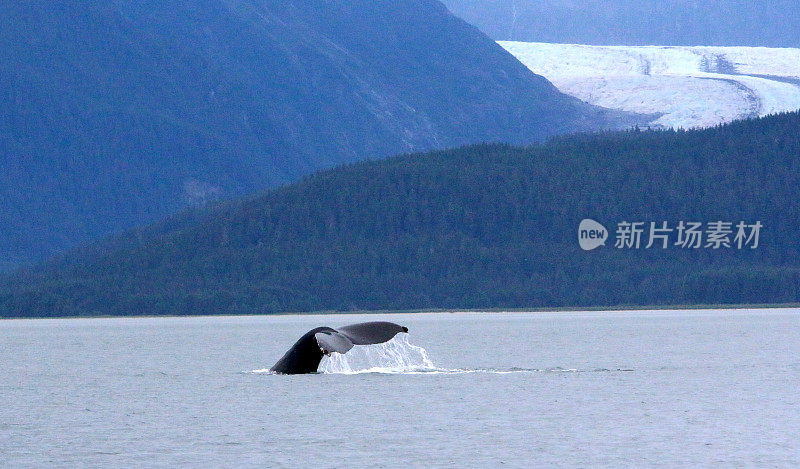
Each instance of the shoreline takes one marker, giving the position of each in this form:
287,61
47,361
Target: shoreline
564,309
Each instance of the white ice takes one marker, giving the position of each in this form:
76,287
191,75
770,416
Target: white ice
685,87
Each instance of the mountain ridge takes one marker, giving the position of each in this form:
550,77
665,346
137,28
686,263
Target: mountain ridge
485,226
118,113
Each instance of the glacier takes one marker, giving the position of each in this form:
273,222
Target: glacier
684,86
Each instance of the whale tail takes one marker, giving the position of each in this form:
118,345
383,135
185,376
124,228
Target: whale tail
306,354
368,333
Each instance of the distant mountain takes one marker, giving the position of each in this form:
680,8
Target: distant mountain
768,23
117,112
477,227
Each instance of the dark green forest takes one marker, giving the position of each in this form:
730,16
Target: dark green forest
484,226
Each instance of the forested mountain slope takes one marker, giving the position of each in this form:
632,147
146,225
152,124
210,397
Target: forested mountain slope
477,227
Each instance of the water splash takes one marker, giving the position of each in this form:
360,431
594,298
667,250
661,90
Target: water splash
394,356
339,368
398,356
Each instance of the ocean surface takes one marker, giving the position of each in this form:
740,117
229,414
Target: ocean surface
646,388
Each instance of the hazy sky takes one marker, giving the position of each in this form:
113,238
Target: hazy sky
637,22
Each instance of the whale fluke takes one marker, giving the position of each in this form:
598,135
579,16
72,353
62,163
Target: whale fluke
333,342
367,333
306,354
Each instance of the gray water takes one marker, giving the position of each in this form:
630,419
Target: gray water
669,388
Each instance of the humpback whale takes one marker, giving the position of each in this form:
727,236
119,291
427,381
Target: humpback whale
306,354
